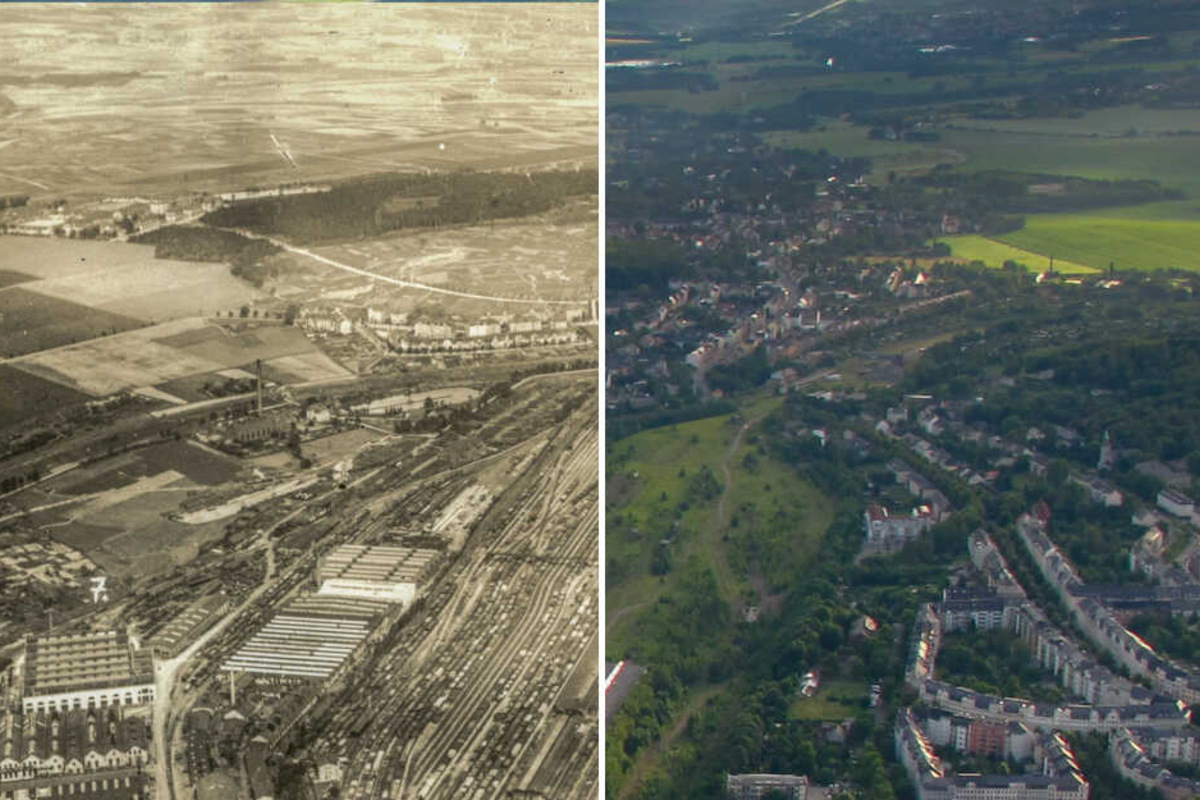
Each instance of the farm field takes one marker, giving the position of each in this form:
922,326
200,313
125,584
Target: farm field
24,396
127,128
1123,122
235,348
30,322
120,519
124,278
9,277
307,368
134,538
847,140
994,253
158,355
1096,239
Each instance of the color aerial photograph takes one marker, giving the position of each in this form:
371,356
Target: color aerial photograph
299,401
902,333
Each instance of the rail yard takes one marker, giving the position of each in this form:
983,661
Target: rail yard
486,682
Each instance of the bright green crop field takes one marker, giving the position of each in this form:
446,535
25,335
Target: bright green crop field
1095,240
994,253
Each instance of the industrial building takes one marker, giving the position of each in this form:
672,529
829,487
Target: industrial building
376,572
90,670
180,632
309,639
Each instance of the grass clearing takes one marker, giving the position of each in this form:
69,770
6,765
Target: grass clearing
833,702
776,519
994,253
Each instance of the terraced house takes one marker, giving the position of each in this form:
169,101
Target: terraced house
97,753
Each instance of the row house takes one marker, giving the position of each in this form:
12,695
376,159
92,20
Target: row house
76,742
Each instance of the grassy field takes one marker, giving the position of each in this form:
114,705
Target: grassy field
30,322
166,353
780,518
833,702
642,469
994,253
198,464
844,139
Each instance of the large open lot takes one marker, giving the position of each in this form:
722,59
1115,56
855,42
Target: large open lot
525,258
123,279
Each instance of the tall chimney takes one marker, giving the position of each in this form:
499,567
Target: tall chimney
258,371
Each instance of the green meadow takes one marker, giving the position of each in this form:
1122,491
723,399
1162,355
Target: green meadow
833,702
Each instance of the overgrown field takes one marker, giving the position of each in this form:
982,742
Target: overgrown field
703,495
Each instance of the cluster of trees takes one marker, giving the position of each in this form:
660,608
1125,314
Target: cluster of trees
13,201
995,662
372,206
1178,636
1026,193
13,482
747,373
244,254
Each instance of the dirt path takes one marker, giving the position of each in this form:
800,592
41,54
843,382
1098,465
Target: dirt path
727,583
610,620
649,755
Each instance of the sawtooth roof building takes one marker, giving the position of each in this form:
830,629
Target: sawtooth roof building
379,572
309,639
90,670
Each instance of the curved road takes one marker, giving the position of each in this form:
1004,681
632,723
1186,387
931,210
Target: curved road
425,287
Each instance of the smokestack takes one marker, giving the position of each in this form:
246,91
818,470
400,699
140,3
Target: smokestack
233,688
258,371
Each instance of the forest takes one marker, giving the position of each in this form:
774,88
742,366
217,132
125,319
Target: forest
371,206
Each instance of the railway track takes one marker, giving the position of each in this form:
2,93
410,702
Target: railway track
456,700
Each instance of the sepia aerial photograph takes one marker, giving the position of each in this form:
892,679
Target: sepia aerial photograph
902,396
299,445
